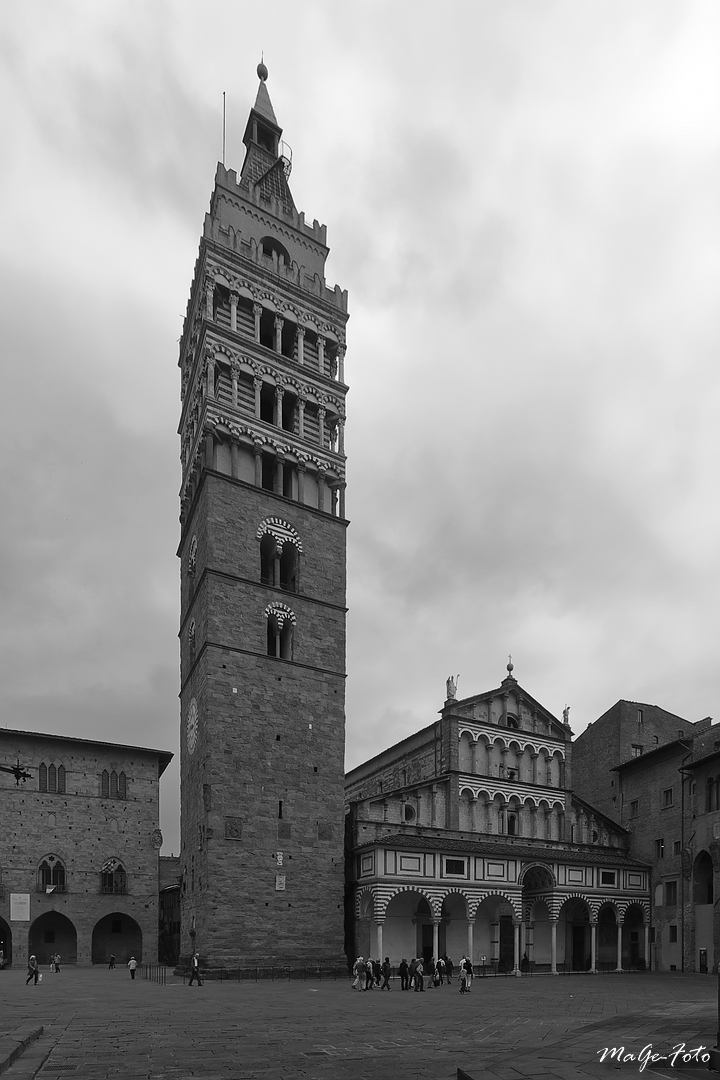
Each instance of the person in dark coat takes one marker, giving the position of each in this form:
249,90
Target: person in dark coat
448,968
111,965
377,972
403,972
386,969
419,973
195,969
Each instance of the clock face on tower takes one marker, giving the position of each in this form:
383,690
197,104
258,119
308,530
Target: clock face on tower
192,726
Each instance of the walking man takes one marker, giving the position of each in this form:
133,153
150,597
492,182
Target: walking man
33,970
195,969
132,964
111,965
403,972
386,974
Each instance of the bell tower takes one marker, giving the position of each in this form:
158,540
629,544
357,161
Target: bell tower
262,554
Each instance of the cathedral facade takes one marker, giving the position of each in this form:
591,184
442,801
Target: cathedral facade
262,555
467,839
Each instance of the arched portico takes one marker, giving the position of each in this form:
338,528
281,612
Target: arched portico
575,936
453,930
703,899
409,928
494,933
633,934
117,934
607,957
53,933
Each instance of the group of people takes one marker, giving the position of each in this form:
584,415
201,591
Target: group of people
369,973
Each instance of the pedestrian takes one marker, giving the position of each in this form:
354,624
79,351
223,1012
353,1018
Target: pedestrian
132,964
111,965
463,976
368,974
525,964
430,972
359,973
33,970
469,973
403,972
448,968
419,981
386,969
411,974
2,959
377,972
57,963
195,969
440,968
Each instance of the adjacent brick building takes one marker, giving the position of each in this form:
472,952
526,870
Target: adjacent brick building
467,837
262,555
658,776
79,849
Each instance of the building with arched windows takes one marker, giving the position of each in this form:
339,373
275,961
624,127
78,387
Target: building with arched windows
79,848
467,838
262,553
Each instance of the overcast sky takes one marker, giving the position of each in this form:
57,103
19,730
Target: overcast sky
522,200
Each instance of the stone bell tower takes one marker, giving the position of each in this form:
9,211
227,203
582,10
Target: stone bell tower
262,550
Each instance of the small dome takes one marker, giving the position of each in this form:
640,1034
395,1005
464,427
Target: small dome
262,71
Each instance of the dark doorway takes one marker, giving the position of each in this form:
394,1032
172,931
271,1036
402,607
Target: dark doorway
5,943
117,934
578,948
506,956
427,944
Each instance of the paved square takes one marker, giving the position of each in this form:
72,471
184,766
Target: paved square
97,1024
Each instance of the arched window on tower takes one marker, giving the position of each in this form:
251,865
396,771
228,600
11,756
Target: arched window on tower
289,567
280,631
105,785
268,546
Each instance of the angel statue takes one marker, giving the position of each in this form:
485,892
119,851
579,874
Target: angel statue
451,688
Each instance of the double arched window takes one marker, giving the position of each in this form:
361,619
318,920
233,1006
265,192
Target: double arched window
52,778
281,623
280,550
51,875
113,785
113,878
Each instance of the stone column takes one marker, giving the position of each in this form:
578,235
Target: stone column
619,947
210,376
321,488
470,928
647,946
378,939
278,406
234,458
276,564
257,312
301,481
209,449
234,373
534,767
321,425
321,354
341,363
301,418
257,383
257,451
341,505
436,938
593,948
503,767
341,435
279,463
234,297
209,298
553,947
473,757
278,333
300,344
516,948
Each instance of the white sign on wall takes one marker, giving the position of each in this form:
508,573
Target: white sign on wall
19,907
279,883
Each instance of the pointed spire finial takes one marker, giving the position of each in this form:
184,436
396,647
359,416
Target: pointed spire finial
261,69
510,664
